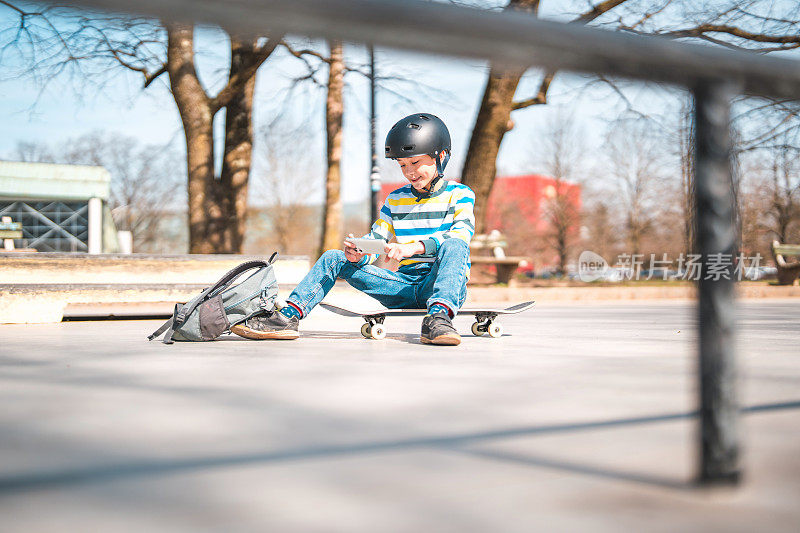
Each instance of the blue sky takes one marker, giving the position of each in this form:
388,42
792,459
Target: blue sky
63,112
67,110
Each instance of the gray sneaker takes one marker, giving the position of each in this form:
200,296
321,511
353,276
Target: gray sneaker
438,329
271,325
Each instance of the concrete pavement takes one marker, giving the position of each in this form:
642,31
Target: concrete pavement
579,418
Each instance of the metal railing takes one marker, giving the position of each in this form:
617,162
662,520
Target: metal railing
512,38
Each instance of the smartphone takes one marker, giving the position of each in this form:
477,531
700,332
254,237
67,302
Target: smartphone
369,246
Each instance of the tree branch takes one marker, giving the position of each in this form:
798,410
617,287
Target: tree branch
645,17
238,80
15,8
541,95
702,29
148,79
598,10
117,54
304,52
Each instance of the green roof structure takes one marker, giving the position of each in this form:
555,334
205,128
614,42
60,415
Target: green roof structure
58,208
49,181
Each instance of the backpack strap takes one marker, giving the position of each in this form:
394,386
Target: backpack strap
231,276
164,327
168,335
223,282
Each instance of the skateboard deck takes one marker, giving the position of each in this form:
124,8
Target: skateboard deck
484,317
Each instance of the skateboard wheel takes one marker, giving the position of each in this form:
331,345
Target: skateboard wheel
477,330
495,330
365,331
377,332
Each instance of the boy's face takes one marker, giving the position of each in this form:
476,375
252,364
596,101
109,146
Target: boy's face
418,170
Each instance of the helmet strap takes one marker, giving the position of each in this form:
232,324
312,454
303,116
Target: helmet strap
440,166
439,170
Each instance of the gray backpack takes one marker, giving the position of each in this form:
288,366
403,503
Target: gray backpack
217,308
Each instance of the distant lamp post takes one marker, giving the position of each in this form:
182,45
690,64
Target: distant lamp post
374,176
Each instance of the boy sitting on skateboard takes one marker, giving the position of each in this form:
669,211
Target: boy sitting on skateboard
432,221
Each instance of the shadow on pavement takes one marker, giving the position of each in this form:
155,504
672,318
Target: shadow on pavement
320,334
575,468
456,443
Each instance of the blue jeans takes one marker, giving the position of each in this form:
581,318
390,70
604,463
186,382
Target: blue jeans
443,281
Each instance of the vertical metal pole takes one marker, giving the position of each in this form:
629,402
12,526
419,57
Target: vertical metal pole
95,216
374,176
715,233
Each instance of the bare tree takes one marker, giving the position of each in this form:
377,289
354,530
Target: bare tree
561,152
282,185
32,152
333,62
758,25
686,154
494,116
754,203
634,165
769,199
147,181
95,47
783,188
334,86
602,236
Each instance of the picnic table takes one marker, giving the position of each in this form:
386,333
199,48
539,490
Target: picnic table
495,244
788,272
8,232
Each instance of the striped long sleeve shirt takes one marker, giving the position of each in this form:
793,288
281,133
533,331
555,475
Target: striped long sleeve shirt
408,217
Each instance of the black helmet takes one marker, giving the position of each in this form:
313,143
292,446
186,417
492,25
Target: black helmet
419,134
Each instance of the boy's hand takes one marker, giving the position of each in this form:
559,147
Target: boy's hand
350,250
401,251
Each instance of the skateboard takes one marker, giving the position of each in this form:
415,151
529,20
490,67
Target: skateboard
484,318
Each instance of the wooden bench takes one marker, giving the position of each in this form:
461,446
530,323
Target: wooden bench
8,232
495,243
787,272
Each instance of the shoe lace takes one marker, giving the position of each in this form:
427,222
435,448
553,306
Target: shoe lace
261,319
439,319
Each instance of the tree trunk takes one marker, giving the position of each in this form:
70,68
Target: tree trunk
238,154
635,234
197,117
334,110
686,135
564,223
494,116
563,250
492,123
